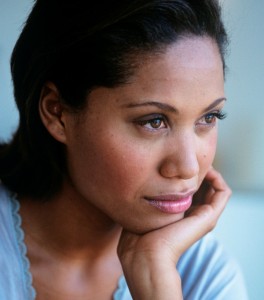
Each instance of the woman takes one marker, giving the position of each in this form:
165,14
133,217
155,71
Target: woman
108,187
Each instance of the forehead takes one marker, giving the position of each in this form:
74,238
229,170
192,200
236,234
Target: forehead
190,52
196,52
188,62
188,72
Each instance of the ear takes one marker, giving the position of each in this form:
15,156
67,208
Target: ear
52,110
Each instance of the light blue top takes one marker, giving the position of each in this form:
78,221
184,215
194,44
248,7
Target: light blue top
207,272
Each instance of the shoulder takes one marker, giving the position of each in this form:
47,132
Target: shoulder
208,272
4,193
8,245
5,211
8,207
13,279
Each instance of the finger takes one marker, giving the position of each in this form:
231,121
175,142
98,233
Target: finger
215,179
217,195
213,182
202,218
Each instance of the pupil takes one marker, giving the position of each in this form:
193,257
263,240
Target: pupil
156,123
209,119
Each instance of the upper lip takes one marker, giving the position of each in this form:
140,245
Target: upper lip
170,197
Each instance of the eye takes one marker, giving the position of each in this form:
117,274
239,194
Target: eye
211,118
153,122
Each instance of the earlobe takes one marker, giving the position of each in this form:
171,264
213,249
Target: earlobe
51,111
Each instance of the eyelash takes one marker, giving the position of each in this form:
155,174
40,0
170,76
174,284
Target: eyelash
163,120
157,117
213,115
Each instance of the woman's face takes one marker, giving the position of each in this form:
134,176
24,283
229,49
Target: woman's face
141,150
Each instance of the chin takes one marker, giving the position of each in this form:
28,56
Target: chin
149,226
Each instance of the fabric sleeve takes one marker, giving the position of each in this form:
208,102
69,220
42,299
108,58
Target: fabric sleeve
208,273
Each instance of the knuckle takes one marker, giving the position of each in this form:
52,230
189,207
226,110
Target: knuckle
212,224
210,216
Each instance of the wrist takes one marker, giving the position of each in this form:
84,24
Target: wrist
152,280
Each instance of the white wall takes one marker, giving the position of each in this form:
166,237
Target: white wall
12,15
240,229
241,144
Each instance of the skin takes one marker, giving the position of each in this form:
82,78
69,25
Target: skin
154,136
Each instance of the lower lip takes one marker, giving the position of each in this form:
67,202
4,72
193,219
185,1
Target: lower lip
171,206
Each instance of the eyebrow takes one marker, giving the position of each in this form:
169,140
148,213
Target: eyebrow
169,108
215,103
163,106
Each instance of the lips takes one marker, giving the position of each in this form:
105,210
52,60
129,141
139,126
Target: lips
172,204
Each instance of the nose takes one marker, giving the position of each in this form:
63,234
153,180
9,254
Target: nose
181,159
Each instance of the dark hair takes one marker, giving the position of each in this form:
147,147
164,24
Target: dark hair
80,45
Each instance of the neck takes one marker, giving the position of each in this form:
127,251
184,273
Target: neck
67,225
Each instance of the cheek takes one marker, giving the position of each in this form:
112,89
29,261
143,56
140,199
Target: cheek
207,154
109,165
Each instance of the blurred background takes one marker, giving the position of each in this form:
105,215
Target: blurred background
240,155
